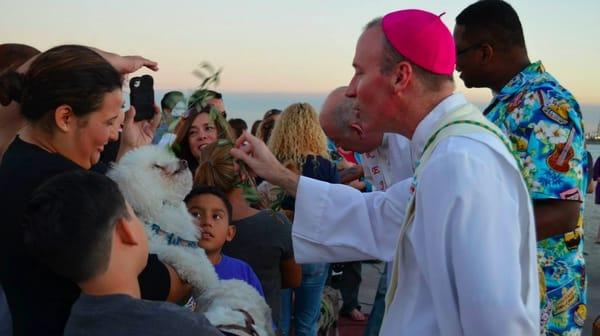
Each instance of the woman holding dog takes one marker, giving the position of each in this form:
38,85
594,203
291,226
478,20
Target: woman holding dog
298,141
71,98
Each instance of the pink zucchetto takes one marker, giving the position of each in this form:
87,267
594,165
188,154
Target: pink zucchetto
422,38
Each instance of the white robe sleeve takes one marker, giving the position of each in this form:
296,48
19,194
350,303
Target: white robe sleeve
473,251
337,223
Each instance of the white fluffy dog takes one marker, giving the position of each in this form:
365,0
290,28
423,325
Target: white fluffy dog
155,183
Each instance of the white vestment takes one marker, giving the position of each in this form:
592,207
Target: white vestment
389,163
468,261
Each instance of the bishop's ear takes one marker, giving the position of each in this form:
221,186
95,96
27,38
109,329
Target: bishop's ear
401,76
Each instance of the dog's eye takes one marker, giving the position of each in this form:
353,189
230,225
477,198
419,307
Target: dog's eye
158,166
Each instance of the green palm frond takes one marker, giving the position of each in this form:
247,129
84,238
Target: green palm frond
209,77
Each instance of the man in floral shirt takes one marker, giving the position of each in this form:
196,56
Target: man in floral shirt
544,123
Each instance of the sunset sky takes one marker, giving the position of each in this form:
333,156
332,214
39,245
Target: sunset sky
286,46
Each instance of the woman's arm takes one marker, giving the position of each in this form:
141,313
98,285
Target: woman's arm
291,273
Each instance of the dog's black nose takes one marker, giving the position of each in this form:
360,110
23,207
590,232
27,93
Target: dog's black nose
183,164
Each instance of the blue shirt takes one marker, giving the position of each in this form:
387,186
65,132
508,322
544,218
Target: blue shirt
231,268
544,123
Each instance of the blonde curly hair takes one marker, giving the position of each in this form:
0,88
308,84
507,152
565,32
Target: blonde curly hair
298,134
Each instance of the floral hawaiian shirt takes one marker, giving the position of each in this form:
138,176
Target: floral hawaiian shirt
544,123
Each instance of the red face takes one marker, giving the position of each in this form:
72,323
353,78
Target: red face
372,89
202,133
92,132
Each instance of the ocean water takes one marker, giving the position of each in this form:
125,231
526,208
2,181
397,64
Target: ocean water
594,149
252,106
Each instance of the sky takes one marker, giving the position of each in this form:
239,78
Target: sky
286,46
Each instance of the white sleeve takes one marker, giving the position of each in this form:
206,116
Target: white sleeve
471,244
336,223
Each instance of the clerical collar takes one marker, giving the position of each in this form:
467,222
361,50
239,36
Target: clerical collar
425,127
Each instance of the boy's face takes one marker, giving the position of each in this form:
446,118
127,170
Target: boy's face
211,215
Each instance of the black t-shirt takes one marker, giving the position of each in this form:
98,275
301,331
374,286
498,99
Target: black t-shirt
40,300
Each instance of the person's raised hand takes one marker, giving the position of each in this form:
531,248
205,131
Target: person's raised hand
137,133
126,64
129,64
262,162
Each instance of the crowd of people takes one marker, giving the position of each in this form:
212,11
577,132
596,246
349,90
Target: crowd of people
477,215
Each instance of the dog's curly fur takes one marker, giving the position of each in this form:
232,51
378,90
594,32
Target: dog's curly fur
155,183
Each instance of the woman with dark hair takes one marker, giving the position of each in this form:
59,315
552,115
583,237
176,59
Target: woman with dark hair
12,56
202,125
268,123
254,127
238,126
71,99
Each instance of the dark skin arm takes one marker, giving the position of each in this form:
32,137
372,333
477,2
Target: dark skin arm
350,174
291,273
554,217
179,289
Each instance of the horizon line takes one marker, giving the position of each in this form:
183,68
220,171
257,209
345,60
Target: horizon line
319,93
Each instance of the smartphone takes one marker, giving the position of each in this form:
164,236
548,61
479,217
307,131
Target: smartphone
141,96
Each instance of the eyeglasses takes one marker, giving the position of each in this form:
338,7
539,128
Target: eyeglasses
469,48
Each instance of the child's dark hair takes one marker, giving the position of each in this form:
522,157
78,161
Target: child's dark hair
69,222
203,190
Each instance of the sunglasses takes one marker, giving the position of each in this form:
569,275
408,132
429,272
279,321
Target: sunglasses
469,48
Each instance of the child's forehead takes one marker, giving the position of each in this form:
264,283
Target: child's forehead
207,201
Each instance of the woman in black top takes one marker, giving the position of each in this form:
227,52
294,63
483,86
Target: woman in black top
71,98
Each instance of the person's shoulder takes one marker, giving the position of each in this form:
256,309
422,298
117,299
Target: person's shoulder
398,140
175,319
320,168
323,161
25,167
274,218
544,92
21,154
233,261
484,150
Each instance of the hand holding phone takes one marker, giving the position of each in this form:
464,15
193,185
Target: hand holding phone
141,96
